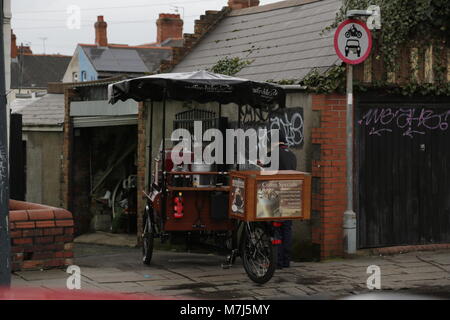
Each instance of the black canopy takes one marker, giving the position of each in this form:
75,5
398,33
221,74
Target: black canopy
200,86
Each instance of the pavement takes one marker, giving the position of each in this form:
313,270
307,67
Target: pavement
108,239
200,276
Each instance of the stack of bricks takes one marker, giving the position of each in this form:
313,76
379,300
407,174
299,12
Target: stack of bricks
329,173
41,236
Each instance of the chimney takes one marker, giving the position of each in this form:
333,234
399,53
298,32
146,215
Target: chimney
169,26
13,46
101,38
242,4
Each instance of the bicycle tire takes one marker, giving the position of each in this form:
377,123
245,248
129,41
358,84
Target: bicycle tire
262,238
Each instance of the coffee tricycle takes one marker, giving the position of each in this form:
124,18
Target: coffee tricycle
239,209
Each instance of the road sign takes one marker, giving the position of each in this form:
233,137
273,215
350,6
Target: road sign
353,41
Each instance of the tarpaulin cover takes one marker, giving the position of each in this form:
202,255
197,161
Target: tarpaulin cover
200,86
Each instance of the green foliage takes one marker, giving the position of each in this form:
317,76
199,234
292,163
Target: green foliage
331,81
403,21
230,66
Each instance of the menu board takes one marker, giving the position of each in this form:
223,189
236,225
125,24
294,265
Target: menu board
279,198
237,196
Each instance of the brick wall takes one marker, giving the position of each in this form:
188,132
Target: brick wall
242,4
169,26
69,94
141,167
329,173
202,26
41,236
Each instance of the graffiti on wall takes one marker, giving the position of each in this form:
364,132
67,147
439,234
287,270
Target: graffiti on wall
3,174
291,124
410,121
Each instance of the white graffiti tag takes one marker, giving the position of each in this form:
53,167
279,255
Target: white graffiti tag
291,127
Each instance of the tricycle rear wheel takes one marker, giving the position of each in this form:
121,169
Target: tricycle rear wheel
257,252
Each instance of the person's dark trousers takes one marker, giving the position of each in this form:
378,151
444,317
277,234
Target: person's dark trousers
284,250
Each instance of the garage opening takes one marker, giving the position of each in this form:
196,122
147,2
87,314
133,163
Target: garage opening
104,194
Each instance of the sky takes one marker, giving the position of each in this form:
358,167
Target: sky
59,25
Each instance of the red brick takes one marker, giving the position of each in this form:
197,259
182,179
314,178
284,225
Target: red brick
32,232
45,224
15,234
18,215
62,214
54,263
43,255
32,264
44,240
64,223
52,231
24,225
41,214
59,254
49,247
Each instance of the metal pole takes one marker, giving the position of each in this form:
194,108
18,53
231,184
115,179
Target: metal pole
163,157
5,246
349,214
238,127
150,149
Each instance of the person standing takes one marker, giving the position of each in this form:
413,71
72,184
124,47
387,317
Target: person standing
287,161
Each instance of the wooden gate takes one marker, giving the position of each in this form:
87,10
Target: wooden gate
403,171
17,156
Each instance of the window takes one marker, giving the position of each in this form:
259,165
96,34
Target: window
83,76
75,77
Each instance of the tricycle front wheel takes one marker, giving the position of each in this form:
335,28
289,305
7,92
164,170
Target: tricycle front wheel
257,252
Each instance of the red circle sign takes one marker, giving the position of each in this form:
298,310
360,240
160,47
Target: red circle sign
353,41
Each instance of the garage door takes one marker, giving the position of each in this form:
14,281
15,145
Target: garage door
403,171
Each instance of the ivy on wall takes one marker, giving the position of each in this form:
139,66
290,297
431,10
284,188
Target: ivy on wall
230,66
418,23
403,21
405,24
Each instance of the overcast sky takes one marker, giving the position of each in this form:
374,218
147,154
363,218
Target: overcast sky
130,22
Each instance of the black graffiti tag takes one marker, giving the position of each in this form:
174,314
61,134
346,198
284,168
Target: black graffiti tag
412,121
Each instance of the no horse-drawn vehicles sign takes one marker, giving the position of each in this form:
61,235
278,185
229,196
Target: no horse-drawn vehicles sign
353,41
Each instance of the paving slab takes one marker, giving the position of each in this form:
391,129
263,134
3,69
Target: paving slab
42,275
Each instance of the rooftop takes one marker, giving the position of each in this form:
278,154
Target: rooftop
37,70
283,40
123,58
45,111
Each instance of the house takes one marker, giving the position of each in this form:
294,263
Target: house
30,73
401,178
103,60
